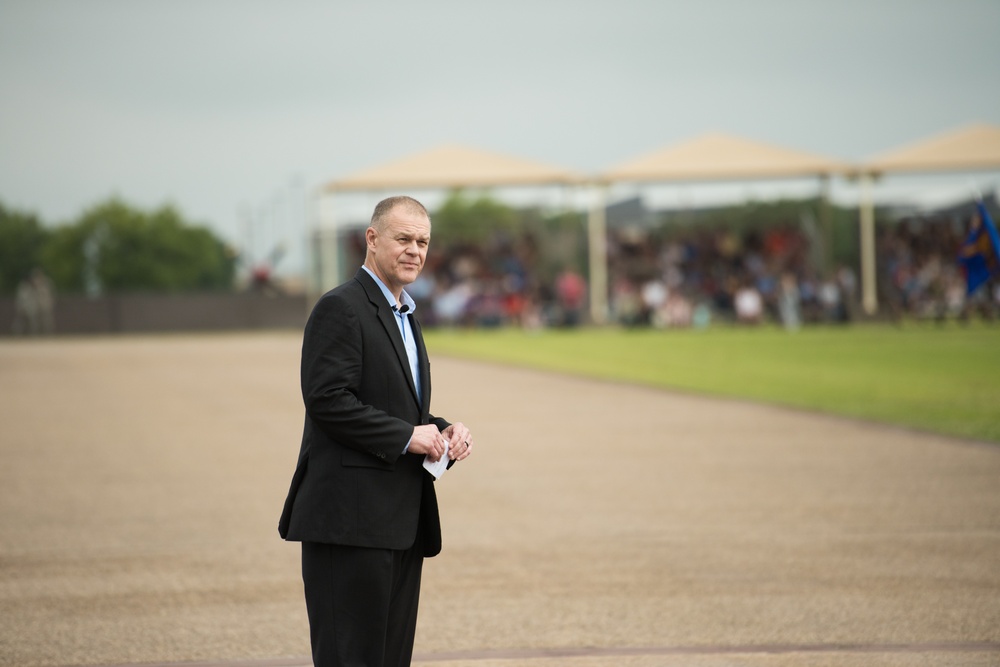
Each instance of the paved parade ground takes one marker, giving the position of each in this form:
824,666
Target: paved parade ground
596,523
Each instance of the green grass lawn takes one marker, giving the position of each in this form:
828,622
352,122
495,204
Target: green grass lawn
940,378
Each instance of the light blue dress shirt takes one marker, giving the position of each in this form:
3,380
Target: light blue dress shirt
405,330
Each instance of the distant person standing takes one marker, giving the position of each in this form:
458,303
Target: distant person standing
34,303
789,302
748,304
25,309
360,500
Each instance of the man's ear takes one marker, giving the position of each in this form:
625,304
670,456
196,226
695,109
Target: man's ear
370,236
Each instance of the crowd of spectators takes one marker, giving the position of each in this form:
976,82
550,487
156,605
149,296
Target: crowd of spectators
688,280
919,273
701,275
503,281
695,276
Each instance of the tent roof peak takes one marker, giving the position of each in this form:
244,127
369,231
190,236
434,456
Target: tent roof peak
455,166
718,156
968,148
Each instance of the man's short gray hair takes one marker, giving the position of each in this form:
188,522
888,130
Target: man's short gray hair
386,206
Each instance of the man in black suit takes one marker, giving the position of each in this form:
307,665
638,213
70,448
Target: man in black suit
360,500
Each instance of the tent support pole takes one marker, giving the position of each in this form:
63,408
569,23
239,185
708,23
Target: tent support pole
597,245
825,224
869,298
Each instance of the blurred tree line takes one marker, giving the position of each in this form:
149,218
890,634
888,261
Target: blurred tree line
115,247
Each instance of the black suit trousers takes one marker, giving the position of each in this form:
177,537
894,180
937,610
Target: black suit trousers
362,603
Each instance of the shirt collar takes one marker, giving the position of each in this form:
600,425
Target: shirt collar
404,298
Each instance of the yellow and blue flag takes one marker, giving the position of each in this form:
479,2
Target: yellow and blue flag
980,254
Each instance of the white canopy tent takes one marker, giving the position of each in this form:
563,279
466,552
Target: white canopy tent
711,157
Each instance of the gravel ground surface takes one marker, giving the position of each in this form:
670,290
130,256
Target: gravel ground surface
595,524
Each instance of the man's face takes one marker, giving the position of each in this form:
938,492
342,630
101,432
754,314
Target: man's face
399,251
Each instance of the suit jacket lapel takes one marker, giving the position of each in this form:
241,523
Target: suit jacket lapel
425,368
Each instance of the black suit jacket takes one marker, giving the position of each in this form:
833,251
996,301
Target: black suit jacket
352,484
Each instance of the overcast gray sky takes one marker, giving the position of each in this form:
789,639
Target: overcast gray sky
225,107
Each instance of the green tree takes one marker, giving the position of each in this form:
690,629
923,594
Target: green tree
63,258
22,238
464,220
114,247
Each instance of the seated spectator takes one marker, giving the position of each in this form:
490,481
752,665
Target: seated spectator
571,290
748,304
677,311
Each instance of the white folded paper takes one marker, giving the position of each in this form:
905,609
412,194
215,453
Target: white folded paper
438,467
